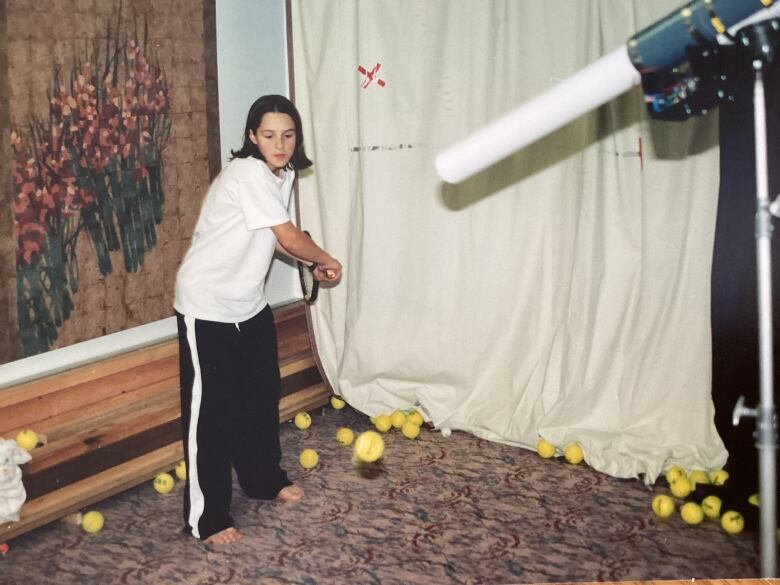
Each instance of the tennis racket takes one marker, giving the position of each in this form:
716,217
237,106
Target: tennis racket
309,285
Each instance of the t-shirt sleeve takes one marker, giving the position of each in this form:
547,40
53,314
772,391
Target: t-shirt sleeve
260,206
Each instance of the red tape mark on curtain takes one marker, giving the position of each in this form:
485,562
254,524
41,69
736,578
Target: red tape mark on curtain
370,76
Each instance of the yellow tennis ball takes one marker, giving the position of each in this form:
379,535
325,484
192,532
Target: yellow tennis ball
680,487
663,506
163,483
755,500
573,453
345,436
92,522
673,473
383,423
711,506
732,522
718,476
416,418
337,402
27,439
369,447
410,430
691,513
303,420
308,458
397,419
698,476
181,470
545,449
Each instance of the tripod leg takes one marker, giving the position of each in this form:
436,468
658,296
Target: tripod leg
766,438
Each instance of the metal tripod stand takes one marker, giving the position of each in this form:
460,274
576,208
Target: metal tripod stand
761,38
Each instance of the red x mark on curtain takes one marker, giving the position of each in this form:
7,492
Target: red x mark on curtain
371,76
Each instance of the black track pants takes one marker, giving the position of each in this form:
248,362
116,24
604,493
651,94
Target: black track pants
230,390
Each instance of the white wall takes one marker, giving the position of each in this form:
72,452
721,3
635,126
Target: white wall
251,61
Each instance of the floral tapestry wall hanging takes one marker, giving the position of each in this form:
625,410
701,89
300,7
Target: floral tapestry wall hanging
94,165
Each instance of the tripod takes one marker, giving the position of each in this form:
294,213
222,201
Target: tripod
761,38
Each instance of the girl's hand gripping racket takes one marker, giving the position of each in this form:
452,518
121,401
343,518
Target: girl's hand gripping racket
309,285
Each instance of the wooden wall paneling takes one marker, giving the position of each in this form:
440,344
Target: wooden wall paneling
37,410
37,389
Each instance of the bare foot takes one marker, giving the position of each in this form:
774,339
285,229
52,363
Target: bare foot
291,493
226,536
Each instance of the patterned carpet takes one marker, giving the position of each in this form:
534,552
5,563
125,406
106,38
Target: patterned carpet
441,510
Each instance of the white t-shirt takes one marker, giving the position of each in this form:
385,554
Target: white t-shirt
222,276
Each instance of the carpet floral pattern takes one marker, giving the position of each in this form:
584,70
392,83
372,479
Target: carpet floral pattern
438,510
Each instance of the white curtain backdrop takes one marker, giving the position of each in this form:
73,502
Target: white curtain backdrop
564,292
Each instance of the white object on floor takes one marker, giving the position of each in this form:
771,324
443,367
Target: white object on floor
12,492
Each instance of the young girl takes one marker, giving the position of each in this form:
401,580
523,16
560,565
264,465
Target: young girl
230,382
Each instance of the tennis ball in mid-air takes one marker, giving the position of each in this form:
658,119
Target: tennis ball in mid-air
698,477
711,506
308,458
673,473
397,419
337,402
345,436
691,513
163,483
27,439
303,420
718,476
383,423
181,470
545,448
410,430
573,453
369,447
732,522
680,487
663,506
92,522
416,418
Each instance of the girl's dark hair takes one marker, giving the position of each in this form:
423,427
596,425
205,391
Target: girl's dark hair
281,105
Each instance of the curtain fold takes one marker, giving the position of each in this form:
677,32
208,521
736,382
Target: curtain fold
564,292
